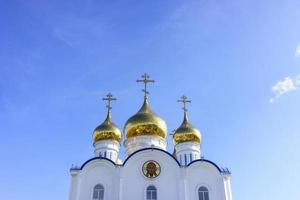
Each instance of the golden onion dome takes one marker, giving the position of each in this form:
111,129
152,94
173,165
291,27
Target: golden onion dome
107,131
186,132
145,122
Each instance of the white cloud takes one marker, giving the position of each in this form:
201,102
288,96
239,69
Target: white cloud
284,86
297,52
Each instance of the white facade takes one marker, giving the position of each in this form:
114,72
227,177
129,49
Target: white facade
127,181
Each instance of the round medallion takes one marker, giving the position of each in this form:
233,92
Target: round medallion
151,169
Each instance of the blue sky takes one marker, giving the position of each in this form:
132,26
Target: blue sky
238,60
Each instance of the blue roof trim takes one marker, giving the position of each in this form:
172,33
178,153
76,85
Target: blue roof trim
96,158
150,148
204,160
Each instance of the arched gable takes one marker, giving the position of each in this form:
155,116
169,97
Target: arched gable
97,158
155,149
207,161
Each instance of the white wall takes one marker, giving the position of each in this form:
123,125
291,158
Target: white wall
128,182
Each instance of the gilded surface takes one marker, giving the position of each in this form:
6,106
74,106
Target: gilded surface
149,129
145,122
186,133
151,169
107,131
107,135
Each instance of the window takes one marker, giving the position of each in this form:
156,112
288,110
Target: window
191,158
203,193
98,193
180,159
104,154
185,159
151,193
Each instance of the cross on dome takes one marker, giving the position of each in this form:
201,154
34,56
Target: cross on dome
184,100
145,80
109,98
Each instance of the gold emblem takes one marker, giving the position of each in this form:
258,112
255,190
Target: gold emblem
151,169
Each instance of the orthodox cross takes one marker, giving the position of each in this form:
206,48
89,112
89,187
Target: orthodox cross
109,98
184,100
145,80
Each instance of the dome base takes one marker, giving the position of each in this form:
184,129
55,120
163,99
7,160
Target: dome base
186,152
145,141
107,148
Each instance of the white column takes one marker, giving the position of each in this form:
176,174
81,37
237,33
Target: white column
73,194
227,186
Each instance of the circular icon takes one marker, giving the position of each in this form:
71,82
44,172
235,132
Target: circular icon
151,169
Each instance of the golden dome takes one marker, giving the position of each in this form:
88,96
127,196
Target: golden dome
145,122
107,131
186,132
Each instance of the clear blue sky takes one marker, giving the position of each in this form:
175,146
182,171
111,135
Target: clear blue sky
238,60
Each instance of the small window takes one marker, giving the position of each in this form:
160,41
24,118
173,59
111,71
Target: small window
151,193
98,193
185,159
203,193
105,154
180,157
191,158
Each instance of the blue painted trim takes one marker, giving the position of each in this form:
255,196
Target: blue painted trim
208,161
150,148
96,158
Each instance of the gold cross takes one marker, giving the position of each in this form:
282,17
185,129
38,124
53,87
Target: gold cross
184,100
145,80
109,97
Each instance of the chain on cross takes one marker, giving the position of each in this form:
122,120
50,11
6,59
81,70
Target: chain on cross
145,80
109,98
184,100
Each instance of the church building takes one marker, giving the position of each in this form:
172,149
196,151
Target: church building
148,171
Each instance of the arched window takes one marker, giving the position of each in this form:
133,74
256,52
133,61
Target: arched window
151,193
203,193
98,193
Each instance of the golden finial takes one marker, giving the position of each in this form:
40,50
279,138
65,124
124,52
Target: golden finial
184,100
145,80
109,98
